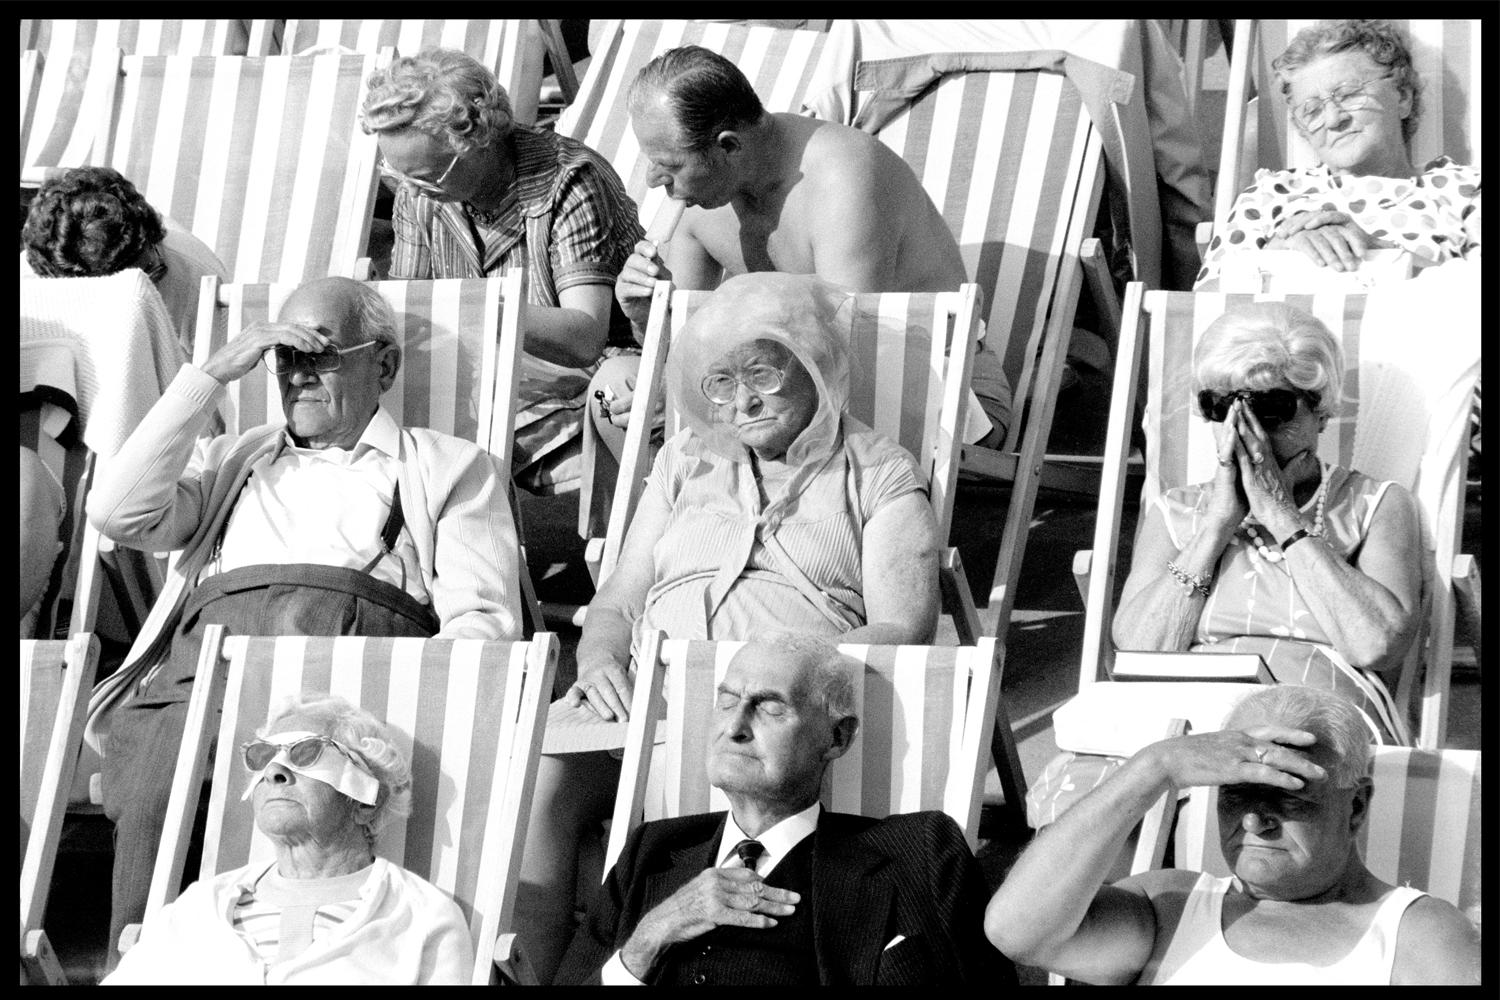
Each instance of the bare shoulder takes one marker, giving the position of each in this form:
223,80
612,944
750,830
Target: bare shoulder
1436,943
838,154
1167,889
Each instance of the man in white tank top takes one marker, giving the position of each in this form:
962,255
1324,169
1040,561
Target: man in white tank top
1292,766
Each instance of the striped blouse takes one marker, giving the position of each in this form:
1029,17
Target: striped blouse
567,221
711,531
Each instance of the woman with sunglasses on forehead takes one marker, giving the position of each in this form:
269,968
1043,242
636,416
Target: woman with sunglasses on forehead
477,193
1312,566
1353,94
323,778
771,508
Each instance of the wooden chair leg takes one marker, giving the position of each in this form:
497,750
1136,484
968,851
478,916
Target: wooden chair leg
1008,766
957,599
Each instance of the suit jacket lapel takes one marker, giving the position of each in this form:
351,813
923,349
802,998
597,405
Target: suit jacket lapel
852,899
684,863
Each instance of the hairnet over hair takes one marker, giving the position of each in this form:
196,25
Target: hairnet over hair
806,316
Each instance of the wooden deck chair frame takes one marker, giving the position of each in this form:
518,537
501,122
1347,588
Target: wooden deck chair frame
961,741
512,49
1258,132
483,878
1147,313
481,348
1423,829
56,678
261,158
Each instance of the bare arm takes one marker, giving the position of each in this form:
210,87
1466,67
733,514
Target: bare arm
899,565
1052,912
1435,945
573,334
691,267
604,648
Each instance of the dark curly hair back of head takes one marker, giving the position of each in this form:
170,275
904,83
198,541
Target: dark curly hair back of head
86,222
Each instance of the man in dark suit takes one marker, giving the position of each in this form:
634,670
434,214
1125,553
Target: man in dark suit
776,891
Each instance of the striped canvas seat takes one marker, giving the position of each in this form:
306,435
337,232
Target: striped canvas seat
262,158
460,344
1403,418
779,62
75,102
925,719
1259,133
511,49
1423,829
56,678
1014,164
469,715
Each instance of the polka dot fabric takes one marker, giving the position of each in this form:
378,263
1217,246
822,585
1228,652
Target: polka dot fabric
1434,215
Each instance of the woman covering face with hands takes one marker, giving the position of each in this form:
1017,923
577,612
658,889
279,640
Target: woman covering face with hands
1312,566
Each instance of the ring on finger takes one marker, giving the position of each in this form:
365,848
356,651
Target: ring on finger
1257,459
1227,463
1260,754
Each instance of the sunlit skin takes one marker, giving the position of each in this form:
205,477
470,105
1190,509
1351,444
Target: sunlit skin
1365,141
767,423
311,823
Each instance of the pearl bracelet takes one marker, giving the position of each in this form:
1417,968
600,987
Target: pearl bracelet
1195,584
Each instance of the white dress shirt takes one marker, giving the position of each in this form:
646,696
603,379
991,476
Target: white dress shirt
324,506
778,842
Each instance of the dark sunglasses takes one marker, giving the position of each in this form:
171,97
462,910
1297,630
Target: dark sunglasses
304,753
1272,407
282,359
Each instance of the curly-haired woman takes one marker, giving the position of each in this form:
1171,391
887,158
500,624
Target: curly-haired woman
478,193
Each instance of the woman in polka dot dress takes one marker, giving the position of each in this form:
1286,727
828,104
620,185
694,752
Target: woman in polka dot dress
1354,96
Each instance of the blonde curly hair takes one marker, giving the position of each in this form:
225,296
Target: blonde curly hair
442,92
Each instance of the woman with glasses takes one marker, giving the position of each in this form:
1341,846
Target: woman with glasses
91,221
1314,567
477,193
1353,94
772,508
323,778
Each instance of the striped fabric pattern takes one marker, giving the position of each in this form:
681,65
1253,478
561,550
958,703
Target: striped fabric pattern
1446,55
1423,829
69,463
467,713
1003,155
80,62
448,331
779,62
511,49
910,751
261,158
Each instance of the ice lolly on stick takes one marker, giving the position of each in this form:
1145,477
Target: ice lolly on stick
665,223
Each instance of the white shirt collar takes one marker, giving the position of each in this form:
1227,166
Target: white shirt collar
778,840
382,433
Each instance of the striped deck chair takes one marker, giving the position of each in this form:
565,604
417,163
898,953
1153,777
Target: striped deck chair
77,91
511,49
1015,165
460,361
925,715
262,158
779,62
470,714
1404,417
56,678
1259,133
1423,829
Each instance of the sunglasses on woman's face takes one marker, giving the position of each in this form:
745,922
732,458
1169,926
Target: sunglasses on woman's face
1272,407
305,752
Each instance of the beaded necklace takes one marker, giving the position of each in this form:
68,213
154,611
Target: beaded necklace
1319,502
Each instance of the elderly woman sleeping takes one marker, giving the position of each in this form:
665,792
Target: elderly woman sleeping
324,775
1314,567
1353,94
773,507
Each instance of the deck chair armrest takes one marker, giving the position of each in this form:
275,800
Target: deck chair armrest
1470,599
40,962
511,964
1083,565
1203,236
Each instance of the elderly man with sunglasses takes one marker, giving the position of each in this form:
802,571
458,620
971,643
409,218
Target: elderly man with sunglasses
340,522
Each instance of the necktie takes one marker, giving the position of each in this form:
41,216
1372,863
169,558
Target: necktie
749,852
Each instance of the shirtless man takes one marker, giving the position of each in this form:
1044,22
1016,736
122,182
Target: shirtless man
780,192
1302,907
